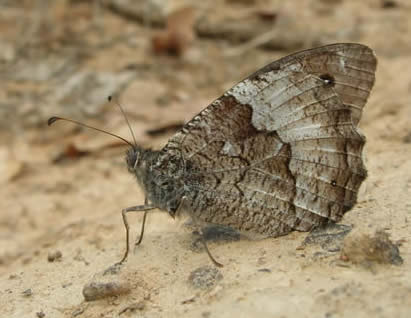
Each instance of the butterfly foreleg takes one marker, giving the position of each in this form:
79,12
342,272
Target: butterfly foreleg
139,208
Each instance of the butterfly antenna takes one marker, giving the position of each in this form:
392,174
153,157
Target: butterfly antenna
110,98
53,119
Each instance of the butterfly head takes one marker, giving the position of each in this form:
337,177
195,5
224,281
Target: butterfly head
133,158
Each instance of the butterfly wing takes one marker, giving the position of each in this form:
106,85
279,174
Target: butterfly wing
281,151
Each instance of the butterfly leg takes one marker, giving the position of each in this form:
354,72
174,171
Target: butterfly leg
140,238
198,232
204,243
124,212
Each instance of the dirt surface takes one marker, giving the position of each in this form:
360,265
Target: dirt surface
62,188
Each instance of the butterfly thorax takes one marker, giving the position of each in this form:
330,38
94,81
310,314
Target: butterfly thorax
161,176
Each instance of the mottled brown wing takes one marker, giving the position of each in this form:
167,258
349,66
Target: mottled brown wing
280,151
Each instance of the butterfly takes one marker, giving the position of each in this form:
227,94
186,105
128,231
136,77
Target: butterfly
278,152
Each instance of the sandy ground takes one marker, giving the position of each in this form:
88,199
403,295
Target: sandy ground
51,204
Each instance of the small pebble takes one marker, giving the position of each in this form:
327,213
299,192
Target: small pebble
264,270
93,291
205,277
27,292
189,300
54,256
367,249
40,314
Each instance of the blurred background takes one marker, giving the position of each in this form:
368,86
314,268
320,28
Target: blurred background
63,187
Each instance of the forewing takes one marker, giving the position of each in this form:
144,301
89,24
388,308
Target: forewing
280,150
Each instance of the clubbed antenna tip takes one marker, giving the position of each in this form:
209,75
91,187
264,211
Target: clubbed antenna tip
52,120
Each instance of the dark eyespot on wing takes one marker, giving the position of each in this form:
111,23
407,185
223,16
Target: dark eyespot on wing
329,80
